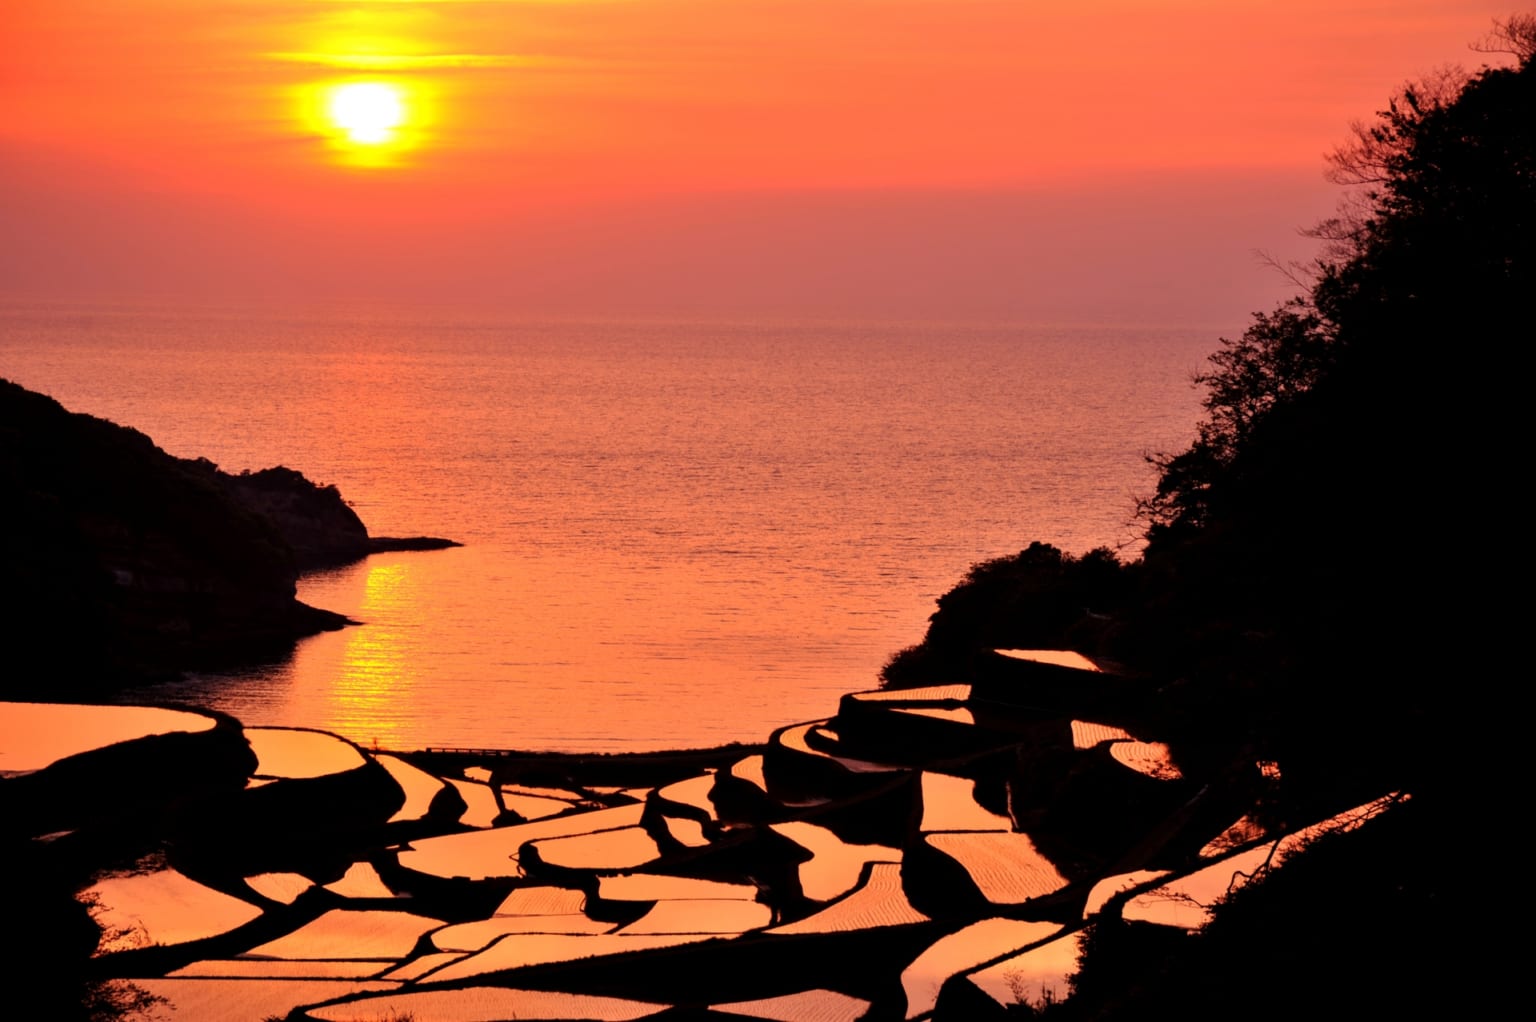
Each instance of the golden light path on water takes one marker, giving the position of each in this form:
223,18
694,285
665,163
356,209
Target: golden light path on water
374,671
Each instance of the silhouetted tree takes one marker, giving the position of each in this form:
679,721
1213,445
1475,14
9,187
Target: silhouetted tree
1314,551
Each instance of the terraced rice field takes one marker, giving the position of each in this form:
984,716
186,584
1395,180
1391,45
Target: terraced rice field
1057,657
542,901
656,887
535,807
806,1006
621,849
692,792
835,865
519,950
965,949
492,853
1087,735
795,739
699,915
245,1000
482,933
949,803
953,714
1110,886
1185,902
929,694
597,903
360,881
419,966
1006,868
1040,974
488,1004
283,968
560,794
1150,758
161,908
688,833
293,753
33,735
878,902
279,887
350,933
420,787
481,807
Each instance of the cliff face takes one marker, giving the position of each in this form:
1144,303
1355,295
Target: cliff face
120,561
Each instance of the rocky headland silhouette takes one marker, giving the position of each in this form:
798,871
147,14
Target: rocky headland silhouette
122,562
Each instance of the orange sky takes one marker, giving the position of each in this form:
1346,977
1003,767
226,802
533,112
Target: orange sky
922,157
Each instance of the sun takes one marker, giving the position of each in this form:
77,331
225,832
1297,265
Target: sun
368,113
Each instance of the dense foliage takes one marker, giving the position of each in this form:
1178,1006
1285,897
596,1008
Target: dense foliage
1311,589
1318,586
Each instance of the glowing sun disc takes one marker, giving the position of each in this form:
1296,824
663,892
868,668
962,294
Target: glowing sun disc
368,112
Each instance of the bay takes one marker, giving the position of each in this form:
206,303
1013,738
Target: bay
676,533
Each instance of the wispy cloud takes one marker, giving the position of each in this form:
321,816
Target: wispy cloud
421,61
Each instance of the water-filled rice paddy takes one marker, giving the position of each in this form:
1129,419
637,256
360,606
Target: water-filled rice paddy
879,901
421,965
795,738
949,803
698,915
688,833
283,968
492,853
1058,657
535,807
1150,758
1087,735
280,887
805,1006
518,950
964,949
1110,886
928,694
481,933
481,808
1006,868
1186,901
827,887
294,753
361,880
834,866
953,714
162,907
694,791
249,1000
419,786
542,901
656,887
621,849
349,933
1040,974
33,735
487,1004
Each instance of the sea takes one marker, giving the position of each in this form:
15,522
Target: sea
676,533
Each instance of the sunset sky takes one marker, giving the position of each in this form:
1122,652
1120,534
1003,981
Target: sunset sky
1045,159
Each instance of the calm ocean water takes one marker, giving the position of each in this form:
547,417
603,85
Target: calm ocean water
676,533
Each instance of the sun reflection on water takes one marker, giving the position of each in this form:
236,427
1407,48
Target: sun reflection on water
375,671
